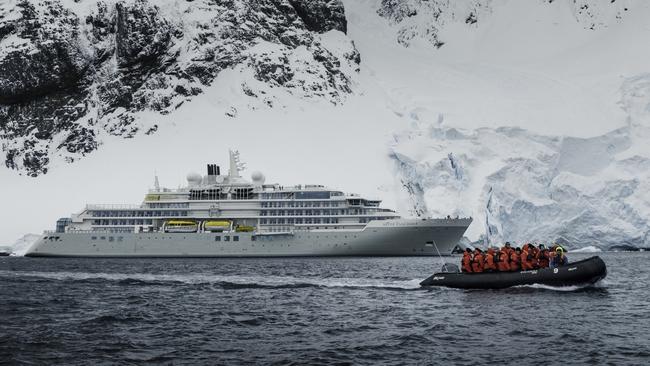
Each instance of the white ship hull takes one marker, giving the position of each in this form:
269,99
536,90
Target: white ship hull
400,237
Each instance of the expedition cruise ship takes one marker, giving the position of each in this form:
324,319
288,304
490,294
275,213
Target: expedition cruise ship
228,216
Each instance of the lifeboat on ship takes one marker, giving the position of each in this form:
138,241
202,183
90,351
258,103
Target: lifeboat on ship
216,225
582,273
244,228
181,226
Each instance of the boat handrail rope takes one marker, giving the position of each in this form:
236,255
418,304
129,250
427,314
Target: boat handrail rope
437,250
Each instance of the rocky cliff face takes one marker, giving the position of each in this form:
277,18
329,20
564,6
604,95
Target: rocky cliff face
74,71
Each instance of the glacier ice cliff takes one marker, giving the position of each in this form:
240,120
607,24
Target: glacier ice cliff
524,186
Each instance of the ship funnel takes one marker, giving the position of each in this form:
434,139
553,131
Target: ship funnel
218,170
213,169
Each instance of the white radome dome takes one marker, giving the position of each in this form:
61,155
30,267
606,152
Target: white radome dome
257,177
194,178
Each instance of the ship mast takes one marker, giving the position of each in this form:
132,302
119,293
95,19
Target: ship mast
235,164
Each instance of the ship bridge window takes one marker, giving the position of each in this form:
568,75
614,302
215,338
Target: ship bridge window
206,194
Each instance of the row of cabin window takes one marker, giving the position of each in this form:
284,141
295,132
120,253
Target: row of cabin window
123,222
169,205
120,238
326,220
323,212
227,238
300,195
137,213
110,238
301,204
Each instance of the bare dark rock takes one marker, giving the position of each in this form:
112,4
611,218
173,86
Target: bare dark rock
321,16
141,35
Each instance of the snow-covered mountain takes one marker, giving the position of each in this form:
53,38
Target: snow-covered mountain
72,72
532,112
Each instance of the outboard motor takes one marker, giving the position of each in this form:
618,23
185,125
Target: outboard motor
450,268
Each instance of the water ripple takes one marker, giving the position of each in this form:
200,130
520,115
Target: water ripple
295,311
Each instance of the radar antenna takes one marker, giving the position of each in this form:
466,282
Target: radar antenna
156,184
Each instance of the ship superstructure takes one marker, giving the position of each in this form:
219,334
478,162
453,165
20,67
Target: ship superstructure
226,215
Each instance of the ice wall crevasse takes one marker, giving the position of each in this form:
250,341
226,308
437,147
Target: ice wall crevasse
525,186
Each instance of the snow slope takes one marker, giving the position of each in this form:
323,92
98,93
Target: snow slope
524,98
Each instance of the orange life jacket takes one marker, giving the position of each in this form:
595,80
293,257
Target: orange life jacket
514,261
489,261
467,262
504,263
477,263
526,262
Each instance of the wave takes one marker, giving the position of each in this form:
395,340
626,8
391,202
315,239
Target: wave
225,281
588,249
597,285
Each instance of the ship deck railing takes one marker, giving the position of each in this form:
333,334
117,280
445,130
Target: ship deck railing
112,207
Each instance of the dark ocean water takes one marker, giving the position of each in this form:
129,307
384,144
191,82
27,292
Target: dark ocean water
310,311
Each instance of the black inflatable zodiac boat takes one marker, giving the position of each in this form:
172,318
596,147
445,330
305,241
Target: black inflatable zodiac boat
585,272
